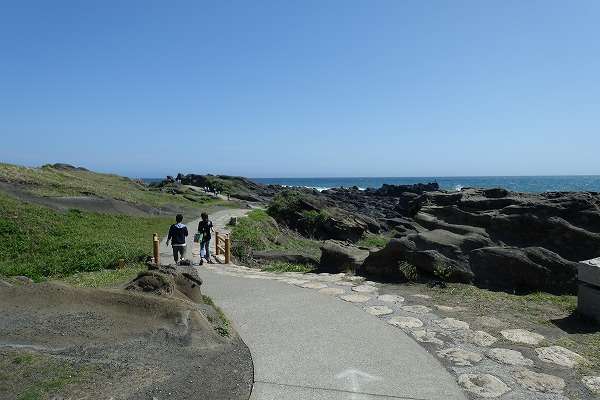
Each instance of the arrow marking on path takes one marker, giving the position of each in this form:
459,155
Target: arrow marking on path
354,376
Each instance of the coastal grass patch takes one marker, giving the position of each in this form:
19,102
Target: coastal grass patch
27,375
373,241
105,278
258,231
53,181
218,318
280,266
38,242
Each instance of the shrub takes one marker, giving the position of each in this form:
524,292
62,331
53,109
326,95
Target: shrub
312,221
409,271
442,271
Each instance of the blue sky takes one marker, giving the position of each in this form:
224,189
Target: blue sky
303,88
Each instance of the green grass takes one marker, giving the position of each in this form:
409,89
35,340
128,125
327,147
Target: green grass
279,266
33,376
373,241
105,278
50,181
39,243
222,326
258,231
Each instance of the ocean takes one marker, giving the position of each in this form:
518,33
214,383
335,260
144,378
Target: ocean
532,184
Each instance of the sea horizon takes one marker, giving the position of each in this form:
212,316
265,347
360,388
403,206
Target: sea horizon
518,183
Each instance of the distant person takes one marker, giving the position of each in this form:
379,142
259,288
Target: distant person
177,235
205,227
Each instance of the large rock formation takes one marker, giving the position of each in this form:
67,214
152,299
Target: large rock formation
493,237
340,257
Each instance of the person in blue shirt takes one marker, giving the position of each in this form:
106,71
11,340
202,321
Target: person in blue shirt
177,236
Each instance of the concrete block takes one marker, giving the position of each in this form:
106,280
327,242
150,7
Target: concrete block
588,301
589,272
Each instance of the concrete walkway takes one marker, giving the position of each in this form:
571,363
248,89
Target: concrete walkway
308,345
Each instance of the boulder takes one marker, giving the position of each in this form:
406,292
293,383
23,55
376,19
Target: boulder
523,269
169,281
341,257
553,233
386,263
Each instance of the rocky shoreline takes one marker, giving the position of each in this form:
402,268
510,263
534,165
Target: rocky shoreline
491,237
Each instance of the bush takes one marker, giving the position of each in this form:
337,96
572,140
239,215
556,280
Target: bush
285,205
312,221
409,271
258,231
442,271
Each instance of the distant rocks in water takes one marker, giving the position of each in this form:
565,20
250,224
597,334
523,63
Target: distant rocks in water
399,190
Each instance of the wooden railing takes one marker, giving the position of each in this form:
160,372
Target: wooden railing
223,246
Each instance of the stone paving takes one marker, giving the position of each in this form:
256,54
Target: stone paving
481,370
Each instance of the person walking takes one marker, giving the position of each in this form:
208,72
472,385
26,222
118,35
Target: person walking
177,236
205,228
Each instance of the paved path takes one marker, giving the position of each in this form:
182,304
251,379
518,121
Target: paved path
309,345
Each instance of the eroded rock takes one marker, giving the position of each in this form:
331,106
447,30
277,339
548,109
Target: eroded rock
364,289
391,298
539,382
460,357
405,322
509,357
452,324
483,385
355,298
522,336
559,355
417,309
479,338
427,336
379,310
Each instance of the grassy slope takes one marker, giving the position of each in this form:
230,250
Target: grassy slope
258,231
49,181
38,242
41,243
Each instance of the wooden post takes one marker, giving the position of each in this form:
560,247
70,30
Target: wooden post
121,263
156,243
227,250
216,243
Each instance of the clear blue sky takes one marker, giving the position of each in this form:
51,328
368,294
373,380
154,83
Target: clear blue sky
303,88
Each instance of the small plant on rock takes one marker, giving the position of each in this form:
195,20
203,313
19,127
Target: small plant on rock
442,271
409,271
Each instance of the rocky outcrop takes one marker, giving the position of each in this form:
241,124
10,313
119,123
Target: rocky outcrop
341,257
169,281
319,217
433,259
494,237
523,269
